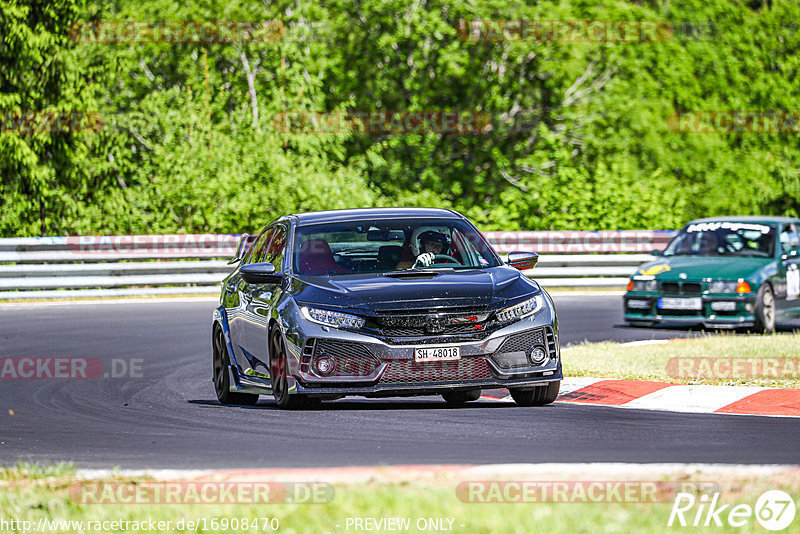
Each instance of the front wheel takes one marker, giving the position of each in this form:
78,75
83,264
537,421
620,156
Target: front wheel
222,379
765,310
537,396
279,374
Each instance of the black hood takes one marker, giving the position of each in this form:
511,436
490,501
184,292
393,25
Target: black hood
491,287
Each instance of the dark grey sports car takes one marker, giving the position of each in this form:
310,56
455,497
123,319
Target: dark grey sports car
377,303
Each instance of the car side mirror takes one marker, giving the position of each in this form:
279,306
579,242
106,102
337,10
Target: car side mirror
522,260
260,273
244,244
655,252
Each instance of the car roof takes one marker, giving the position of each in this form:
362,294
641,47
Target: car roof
762,219
369,214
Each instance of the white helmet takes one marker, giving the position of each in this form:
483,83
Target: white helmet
415,235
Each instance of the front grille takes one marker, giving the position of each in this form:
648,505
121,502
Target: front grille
410,371
443,340
422,332
691,288
523,341
552,348
673,288
414,323
682,288
350,359
513,352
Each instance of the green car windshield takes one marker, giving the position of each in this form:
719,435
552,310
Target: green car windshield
724,239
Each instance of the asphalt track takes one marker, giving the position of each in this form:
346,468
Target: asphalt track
169,417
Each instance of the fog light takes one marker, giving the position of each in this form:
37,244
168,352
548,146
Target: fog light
538,356
326,365
723,306
639,304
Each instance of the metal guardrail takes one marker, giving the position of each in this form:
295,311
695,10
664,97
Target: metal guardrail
88,266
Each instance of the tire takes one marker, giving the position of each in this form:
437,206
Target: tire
459,398
278,369
221,376
538,396
765,310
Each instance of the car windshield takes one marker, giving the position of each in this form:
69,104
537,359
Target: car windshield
723,239
390,245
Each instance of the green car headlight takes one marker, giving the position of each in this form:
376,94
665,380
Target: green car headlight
722,286
645,285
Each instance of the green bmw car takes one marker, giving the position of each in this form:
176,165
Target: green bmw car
725,272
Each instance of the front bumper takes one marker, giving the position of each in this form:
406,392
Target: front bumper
376,368
738,310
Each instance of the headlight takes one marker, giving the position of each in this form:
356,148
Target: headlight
718,286
645,285
523,309
332,318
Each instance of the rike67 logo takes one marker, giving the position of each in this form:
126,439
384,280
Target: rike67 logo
774,510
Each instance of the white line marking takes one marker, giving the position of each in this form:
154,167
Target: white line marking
644,342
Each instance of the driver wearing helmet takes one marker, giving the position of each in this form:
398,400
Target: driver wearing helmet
708,243
431,244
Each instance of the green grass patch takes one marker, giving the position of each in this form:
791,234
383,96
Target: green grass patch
27,495
724,359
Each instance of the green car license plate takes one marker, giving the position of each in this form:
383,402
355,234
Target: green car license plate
671,303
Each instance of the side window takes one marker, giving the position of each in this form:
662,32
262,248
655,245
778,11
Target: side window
789,238
275,251
259,248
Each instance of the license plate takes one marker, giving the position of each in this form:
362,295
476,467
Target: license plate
435,354
694,303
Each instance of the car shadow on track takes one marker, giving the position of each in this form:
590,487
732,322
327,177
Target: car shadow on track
370,404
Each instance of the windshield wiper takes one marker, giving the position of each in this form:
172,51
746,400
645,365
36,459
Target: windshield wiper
412,273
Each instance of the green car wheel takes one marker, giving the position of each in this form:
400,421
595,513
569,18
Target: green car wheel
765,310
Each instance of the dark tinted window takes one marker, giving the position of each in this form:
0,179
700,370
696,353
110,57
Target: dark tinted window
259,248
389,245
275,249
724,239
789,238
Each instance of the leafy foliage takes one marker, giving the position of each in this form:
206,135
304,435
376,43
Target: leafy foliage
580,132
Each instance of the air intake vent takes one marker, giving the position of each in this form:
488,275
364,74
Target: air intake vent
347,359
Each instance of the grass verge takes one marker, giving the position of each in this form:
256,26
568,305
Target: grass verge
724,359
31,493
